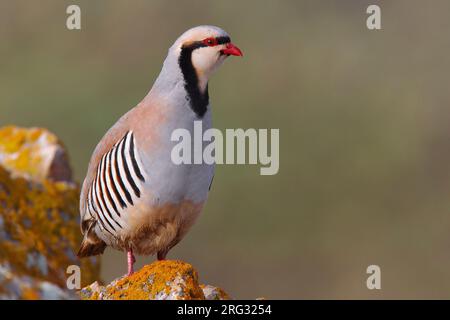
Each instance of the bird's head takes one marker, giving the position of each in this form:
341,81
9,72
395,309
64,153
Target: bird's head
202,50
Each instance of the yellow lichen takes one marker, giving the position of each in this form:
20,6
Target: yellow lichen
25,151
39,218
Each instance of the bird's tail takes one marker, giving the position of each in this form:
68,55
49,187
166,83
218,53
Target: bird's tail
91,245
89,248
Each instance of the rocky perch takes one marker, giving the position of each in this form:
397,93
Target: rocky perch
39,232
161,280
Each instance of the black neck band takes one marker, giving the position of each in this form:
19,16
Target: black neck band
199,100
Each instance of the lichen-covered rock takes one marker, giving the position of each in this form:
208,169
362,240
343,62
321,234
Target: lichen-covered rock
161,280
214,293
34,154
39,219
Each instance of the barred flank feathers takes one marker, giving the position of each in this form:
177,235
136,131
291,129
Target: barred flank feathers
117,181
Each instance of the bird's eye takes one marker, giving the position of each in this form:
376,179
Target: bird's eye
210,42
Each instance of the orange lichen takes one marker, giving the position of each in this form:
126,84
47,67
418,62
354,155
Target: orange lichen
155,279
160,280
30,294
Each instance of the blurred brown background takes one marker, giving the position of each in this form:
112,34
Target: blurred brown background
364,126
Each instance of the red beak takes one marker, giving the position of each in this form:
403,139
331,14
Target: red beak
232,50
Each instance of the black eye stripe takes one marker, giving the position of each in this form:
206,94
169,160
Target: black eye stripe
223,40
201,44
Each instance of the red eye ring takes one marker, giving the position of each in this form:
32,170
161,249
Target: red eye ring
210,42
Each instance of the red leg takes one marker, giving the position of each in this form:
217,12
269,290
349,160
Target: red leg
131,260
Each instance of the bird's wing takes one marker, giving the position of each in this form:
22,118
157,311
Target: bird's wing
112,177
107,170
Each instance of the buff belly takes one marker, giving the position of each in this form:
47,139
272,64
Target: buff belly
149,230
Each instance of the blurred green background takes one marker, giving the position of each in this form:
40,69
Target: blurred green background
364,132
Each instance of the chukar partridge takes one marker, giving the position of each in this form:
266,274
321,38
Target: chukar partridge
134,198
